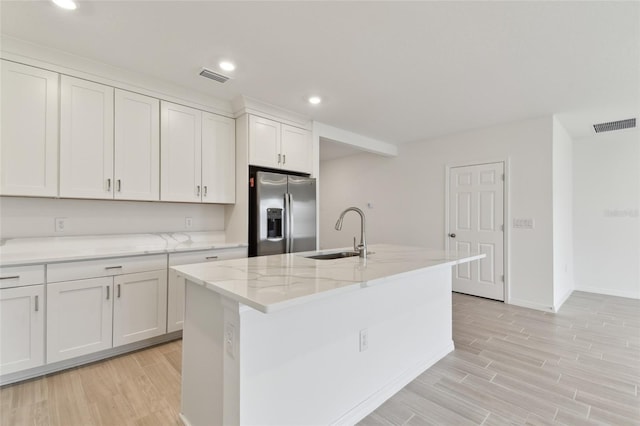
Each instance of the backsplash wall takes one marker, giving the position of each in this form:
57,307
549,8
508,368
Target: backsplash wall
35,217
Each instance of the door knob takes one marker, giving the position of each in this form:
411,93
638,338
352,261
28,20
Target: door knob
452,235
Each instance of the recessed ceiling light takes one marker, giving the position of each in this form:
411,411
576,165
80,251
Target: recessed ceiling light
315,100
227,66
66,4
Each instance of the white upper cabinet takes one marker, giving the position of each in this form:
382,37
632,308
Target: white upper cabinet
264,142
86,139
29,137
197,155
137,147
297,149
218,159
279,146
180,153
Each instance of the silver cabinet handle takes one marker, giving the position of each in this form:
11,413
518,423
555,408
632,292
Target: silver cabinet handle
119,185
198,190
109,185
37,304
211,257
118,291
112,267
205,190
108,292
284,158
13,277
279,157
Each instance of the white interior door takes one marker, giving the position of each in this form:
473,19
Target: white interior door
476,223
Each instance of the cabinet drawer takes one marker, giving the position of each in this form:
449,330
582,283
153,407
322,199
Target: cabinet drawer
201,256
18,276
69,271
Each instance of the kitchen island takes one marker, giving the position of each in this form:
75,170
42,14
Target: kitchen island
289,340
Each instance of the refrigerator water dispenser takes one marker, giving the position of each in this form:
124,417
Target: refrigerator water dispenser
274,223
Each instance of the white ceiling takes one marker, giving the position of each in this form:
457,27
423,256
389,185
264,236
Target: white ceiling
392,71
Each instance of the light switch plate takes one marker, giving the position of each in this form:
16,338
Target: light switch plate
523,223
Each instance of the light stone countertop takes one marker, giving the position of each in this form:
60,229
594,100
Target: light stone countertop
271,283
27,251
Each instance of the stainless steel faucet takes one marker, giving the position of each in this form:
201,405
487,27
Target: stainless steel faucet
362,247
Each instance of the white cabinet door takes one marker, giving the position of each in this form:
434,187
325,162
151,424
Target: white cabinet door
139,307
180,153
297,149
218,159
86,139
21,328
29,137
79,317
137,147
175,305
264,142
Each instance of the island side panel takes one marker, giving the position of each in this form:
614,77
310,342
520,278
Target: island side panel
210,378
303,365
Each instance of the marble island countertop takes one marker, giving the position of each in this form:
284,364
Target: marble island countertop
25,251
271,283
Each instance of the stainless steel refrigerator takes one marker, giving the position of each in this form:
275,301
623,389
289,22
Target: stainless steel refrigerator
282,213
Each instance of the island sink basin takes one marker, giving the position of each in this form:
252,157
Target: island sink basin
339,255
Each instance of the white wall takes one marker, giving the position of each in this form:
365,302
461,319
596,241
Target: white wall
34,217
606,176
563,283
407,195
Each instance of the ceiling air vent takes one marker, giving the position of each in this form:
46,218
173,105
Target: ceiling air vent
615,125
213,75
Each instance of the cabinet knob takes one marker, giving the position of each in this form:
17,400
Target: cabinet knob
197,190
108,184
452,235
284,158
279,157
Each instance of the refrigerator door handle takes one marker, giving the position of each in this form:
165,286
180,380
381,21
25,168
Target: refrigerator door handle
287,223
291,231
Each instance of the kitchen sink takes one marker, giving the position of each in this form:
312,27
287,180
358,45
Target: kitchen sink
338,255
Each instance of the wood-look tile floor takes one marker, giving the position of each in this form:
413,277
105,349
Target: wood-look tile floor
511,366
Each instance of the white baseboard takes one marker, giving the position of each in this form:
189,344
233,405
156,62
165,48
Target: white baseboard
184,420
367,406
558,305
85,359
531,305
611,292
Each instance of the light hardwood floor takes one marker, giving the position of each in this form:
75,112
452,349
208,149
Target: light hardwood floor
511,366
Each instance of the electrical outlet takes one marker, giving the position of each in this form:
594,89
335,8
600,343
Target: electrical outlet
364,340
60,224
188,222
229,339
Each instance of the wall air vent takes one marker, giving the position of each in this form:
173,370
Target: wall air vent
615,125
213,75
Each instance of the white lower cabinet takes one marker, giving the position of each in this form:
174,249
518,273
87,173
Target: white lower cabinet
175,304
79,317
21,328
87,313
139,307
